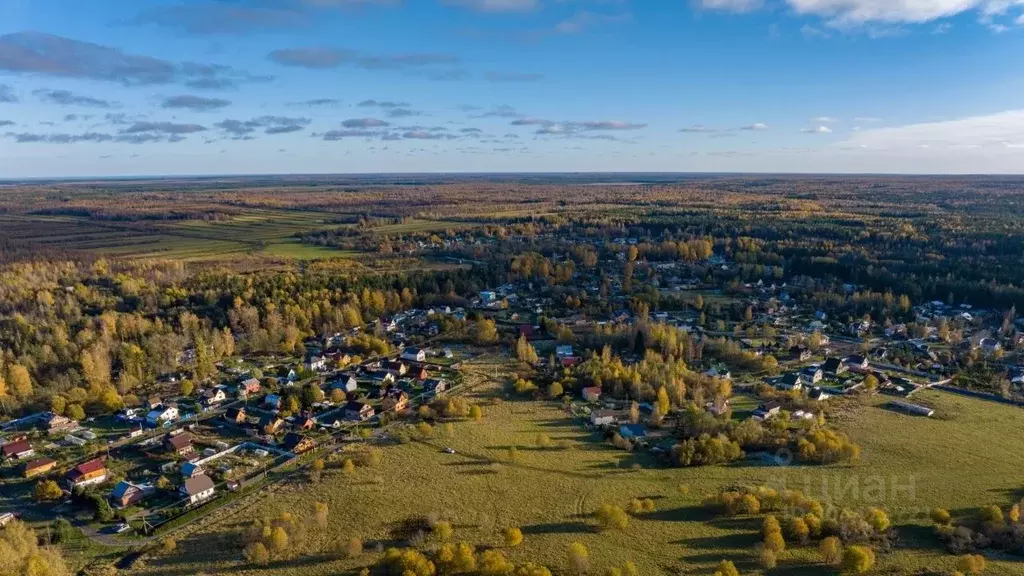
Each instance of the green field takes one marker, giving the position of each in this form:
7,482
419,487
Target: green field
256,231
965,457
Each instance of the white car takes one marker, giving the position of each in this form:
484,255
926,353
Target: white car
449,451
122,528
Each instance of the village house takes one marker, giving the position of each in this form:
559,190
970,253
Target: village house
801,353
272,401
395,400
271,424
420,374
789,382
396,367
55,424
719,371
197,489
857,363
126,494
818,393
235,415
563,351
38,467
17,450
248,387
382,377
347,383
305,423
435,386
358,411
214,396
767,410
316,363
87,473
602,417
719,406
811,375
591,393
298,443
414,355
179,444
162,415
835,367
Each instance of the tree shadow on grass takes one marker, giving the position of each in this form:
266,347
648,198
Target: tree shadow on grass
481,472
558,528
749,524
739,540
803,570
682,514
705,563
919,537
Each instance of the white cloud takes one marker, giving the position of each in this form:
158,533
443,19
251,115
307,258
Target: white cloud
867,119
977,131
731,5
824,120
756,126
818,130
812,32
852,13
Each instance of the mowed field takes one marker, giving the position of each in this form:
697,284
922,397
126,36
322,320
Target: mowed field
256,231
966,457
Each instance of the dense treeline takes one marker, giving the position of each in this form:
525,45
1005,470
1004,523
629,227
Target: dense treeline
88,337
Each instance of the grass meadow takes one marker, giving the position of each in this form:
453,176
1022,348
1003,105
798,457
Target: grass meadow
965,457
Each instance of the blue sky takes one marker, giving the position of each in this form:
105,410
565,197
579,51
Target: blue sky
148,87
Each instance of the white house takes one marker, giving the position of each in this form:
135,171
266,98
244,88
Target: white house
197,488
811,375
214,396
414,355
162,414
602,417
346,383
316,363
719,372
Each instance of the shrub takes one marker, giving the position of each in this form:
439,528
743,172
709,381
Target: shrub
797,530
991,516
513,537
494,563
443,531
256,553
774,542
770,525
611,517
831,550
878,519
406,562
579,558
971,564
726,568
858,559
941,516
169,545
767,558
354,548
